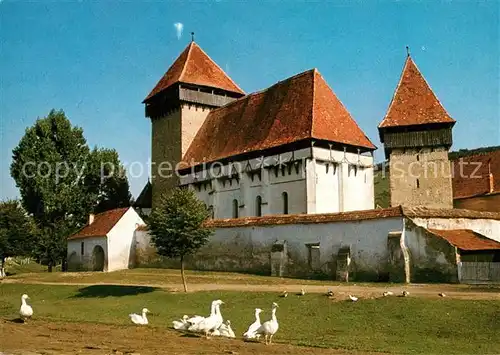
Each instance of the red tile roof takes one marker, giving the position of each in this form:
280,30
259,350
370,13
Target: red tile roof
194,66
413,102
306,218
466,239
471,175
102,225
297,108
422,212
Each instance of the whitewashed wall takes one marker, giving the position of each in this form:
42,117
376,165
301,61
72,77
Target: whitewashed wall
310,187
490,228
85,260
248,248
121,241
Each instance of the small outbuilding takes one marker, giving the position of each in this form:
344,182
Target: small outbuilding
106,243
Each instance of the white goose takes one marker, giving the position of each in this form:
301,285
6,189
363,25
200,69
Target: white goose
182,324
210,323
26,311
138,319
353,298
250,333
269,328
225,330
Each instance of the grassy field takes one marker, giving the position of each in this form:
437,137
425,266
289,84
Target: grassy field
391,324
160,276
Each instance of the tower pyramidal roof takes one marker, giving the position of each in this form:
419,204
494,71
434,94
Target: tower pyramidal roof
414,102
194,66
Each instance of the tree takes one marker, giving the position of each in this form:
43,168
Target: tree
59,179
177,225
16,232
107,181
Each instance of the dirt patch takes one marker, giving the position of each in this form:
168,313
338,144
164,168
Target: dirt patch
57,338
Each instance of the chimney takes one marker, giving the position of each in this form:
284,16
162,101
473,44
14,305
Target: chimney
490,175
91,218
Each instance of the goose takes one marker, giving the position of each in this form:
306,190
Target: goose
250,333
212,322
26,311
269,328
353,298
225,330
405,294
284,294
193,322
442,295
302,292
387,293
329,293
182,324
138,319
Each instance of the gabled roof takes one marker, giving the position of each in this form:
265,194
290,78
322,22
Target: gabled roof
466,239
298,108
471,175
102,224
194,66
414,102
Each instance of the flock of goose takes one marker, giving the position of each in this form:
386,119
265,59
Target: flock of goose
214,325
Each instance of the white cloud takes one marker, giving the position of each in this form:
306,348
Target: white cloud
178,29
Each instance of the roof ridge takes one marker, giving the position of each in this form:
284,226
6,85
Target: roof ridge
217,65
313,100
190,48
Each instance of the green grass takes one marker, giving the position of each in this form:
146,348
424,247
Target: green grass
392,324
161,277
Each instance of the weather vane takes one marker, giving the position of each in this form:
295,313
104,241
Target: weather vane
192,36
407,51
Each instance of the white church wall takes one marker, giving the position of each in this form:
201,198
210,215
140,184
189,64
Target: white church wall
490,228
248,248
120,241
302,175
78,261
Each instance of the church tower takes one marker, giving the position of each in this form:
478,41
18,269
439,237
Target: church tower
417,135
178,106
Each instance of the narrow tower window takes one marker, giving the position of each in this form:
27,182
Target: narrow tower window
258,206
418,183
285,202
235,208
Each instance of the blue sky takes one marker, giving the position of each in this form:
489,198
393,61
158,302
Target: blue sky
98,60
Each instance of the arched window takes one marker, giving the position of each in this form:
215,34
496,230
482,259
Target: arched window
235,208
285,202
258,206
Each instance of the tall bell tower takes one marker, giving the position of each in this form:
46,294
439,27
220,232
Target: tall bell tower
417,135
178,106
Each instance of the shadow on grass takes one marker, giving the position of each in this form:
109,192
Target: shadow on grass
100,291
16,320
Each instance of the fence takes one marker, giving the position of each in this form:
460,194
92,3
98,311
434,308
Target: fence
478,272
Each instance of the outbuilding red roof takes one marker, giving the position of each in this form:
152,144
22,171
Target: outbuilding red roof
471,175
102,224
298,108
466,239
194,66
414,102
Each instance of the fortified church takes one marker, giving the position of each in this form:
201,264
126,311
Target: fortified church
289,178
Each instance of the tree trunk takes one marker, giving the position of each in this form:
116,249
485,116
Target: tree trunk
182,274
2,269
49,266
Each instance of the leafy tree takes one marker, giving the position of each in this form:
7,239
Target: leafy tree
107,181
176,225
16,232
59,179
